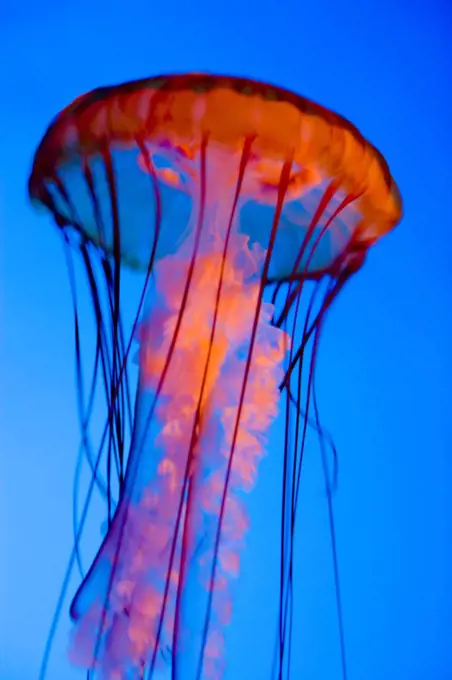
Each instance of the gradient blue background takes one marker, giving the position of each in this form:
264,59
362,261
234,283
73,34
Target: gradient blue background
385,361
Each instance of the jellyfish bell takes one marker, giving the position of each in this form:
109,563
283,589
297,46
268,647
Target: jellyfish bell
218,190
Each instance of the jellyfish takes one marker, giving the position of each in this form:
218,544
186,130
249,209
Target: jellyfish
242,209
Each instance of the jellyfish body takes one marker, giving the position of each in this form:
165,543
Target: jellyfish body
215,189
170,510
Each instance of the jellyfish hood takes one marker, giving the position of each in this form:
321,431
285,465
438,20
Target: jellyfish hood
167,117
